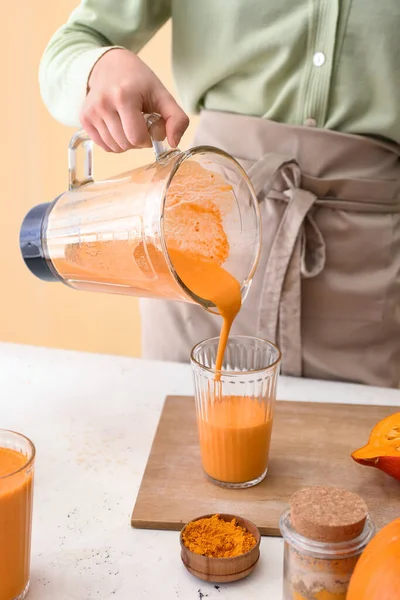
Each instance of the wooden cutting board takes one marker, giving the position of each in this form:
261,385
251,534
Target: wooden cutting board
311,445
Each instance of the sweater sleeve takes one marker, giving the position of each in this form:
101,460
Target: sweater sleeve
94,27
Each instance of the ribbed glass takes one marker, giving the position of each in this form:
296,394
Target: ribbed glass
235,408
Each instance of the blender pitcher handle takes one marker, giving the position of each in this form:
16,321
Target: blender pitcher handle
156,126
80,138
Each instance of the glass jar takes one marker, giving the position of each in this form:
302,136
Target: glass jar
315,570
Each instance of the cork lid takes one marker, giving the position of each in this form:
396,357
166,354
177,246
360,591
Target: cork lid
328,514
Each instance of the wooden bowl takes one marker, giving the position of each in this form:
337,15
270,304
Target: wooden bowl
222,570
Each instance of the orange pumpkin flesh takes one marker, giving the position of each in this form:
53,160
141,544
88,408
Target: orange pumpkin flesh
383,448
377,573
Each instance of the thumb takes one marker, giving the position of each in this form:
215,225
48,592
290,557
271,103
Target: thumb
176,120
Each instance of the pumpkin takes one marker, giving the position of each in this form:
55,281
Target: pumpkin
377,573
383,448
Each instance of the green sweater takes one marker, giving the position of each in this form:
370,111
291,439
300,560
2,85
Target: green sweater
325,63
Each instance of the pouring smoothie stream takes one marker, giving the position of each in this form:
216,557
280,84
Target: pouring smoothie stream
234,431
208,280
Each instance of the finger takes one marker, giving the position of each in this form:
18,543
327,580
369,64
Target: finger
94,135
114,125
175,118
106,136
134,126
90,117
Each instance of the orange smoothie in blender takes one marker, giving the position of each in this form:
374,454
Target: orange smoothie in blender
16,483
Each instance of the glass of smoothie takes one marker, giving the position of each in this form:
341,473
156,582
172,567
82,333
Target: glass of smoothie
17,456
235,408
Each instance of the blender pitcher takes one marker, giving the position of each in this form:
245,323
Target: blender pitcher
120,235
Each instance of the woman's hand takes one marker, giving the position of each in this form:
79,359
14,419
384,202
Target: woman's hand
121,88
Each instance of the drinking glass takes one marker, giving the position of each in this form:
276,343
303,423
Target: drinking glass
17,456
235,408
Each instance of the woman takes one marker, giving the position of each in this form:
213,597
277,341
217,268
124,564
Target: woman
306,95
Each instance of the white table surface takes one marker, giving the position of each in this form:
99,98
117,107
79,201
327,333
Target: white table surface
92,419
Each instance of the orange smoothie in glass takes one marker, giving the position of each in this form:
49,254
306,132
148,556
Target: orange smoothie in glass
16,491
235,439
235,408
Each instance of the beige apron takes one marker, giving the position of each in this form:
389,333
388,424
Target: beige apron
327,288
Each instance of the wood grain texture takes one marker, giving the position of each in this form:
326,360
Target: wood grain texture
311,445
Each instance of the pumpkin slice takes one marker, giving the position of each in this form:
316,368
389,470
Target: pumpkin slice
383,448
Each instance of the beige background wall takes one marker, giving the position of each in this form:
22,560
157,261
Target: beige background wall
33,169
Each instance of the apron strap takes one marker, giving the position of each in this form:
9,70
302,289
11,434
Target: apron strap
296,251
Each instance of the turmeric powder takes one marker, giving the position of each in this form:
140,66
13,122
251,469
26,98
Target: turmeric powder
216,538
